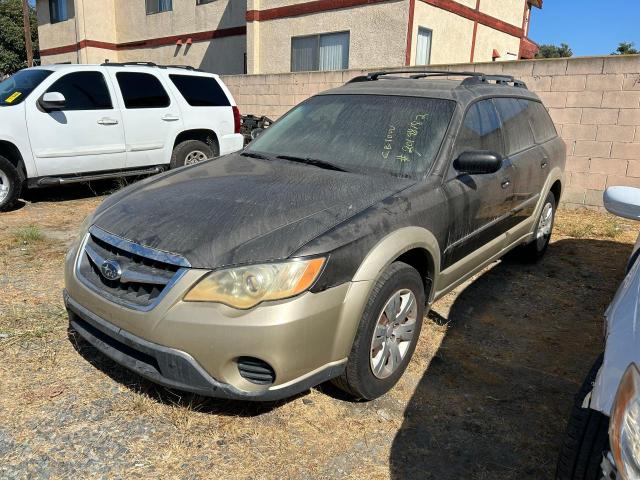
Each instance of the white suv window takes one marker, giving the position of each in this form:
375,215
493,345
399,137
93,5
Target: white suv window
83,91
142,90
200,91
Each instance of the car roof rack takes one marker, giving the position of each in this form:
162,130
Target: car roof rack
474,78
149,64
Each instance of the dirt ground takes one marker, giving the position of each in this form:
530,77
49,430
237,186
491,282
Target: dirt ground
486,395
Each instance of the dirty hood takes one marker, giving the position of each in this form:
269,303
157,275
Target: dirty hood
236,209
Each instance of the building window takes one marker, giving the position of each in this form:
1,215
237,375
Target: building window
157,6
423,48
328,51
58,10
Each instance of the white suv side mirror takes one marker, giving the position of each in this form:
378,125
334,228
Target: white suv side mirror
623,202
52,101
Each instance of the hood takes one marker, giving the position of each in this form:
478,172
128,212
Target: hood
236,210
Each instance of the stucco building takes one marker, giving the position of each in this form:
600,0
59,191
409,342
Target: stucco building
275,36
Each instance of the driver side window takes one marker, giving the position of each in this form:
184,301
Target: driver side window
480,130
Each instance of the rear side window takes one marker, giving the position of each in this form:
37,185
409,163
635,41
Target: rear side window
541,123
514,116
142,90
83,91
200,91
480,130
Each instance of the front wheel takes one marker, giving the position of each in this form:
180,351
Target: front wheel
10,185
387,334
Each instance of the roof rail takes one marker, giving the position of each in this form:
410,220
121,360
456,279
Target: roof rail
474,78
150,64
506,80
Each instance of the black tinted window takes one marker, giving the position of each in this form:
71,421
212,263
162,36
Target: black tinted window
514,115
142,90
83,91
200,91
365,133
541,123
480,130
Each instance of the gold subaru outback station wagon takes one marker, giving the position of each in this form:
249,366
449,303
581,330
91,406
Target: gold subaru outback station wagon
312,255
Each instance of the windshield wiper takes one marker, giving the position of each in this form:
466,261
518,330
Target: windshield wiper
255,155
315,162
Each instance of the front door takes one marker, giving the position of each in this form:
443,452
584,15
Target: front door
479,205
86,135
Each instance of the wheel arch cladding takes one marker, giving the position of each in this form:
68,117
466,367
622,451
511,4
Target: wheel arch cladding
415,246
9,151
202,134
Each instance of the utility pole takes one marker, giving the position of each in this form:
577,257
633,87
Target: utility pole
27,33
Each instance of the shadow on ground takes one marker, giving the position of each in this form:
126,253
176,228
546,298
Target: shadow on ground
494,401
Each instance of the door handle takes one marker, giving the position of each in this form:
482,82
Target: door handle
170,118
505,183
108,121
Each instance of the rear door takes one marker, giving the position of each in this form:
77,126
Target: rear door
151,116
479,205
525,155
84,136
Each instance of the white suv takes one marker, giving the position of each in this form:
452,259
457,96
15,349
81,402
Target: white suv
74,123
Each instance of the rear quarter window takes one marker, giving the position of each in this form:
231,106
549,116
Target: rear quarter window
514,116
200,91
541,123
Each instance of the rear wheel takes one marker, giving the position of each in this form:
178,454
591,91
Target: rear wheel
10,185
586,438
536,249
387,334
191,152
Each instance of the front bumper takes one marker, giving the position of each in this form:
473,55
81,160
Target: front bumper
171,367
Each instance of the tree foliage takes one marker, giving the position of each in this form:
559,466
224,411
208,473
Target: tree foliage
13,55
554,51
626,48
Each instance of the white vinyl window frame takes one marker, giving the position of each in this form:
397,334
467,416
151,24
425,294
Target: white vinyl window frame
320,52
424,42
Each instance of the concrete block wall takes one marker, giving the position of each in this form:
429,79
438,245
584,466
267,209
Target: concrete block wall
594,102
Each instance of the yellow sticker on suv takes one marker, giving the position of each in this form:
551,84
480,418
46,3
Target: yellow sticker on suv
13,97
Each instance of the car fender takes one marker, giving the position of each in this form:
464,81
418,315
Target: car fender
622,342
376,261
13,130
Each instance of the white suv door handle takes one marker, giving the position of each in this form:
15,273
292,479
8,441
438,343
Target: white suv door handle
108,121
170,118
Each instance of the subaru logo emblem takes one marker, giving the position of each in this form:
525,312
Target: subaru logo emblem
111,270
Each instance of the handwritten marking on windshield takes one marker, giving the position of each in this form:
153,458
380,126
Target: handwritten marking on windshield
388,142
409,146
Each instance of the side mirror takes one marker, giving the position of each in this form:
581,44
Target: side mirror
256,132
623,202
478,162
52,101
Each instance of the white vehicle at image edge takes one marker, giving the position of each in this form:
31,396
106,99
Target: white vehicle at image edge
602,440
61,124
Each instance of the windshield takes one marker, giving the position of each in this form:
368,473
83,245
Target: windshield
16,88
362,133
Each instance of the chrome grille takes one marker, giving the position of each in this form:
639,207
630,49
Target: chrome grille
124,272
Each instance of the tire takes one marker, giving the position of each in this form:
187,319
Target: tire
400,281
586,438
10,185
190,152
535,250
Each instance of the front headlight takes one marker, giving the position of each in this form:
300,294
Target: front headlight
246,287
624,426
